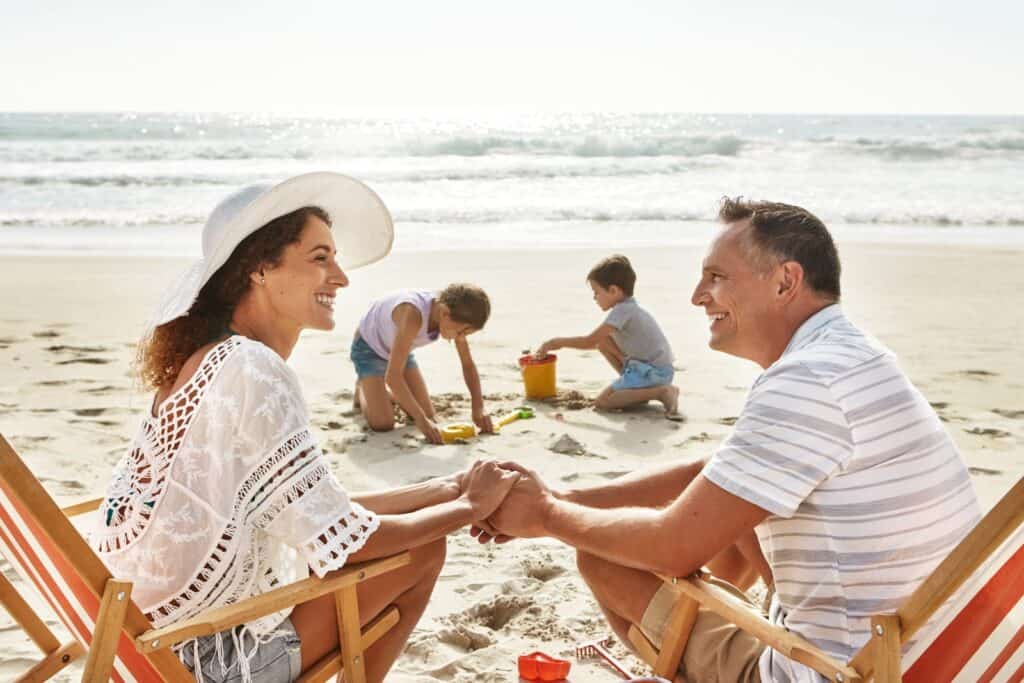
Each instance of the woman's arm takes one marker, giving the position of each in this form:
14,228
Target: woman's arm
486,485
472,379
413,497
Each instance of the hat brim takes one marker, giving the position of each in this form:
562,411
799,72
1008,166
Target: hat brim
362,226
360,223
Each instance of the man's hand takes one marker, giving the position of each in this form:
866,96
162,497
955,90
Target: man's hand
486,485
483,422
525,509
430,430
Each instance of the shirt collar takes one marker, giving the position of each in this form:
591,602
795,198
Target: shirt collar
816,322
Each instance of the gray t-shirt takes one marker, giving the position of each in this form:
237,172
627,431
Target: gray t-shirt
638,335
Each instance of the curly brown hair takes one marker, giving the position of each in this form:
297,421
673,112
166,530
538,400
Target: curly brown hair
163,352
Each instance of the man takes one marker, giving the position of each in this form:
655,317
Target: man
837,462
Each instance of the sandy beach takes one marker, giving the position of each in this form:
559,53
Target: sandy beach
68,403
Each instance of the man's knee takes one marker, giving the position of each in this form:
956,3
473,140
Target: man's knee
591,567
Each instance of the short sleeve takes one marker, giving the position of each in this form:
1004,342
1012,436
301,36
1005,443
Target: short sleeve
790,438
619,316
293,495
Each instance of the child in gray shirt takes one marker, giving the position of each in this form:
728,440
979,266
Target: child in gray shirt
629,338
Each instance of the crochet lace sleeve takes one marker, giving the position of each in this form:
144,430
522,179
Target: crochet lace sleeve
295,496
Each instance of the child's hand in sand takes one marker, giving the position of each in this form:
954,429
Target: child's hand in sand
430,430
483,422
486,485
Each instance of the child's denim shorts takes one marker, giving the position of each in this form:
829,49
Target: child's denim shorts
278,660
368,363
637,374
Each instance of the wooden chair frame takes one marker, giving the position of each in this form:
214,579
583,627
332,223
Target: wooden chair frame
879,658
120,621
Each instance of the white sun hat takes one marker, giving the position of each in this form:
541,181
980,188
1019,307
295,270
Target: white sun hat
361,225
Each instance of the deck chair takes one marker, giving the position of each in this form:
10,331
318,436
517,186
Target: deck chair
39,540
987,568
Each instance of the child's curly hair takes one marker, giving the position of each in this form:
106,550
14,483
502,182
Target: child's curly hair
467,304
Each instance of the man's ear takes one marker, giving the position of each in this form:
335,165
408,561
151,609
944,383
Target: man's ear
790,279
615,290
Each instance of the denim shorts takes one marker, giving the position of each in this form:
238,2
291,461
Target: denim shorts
276,661
368,363
637,374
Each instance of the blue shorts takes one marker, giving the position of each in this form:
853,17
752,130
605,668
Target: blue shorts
368,363
278,660
637,374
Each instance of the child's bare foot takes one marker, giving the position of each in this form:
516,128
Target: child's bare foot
671,402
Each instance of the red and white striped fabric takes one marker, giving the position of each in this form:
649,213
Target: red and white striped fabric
982,638
39,563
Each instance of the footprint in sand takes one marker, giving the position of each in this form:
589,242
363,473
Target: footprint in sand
977,374
983,471
45,334
104,390
542,570
89,412
87,361
987,431
939,405
727,421
1012,414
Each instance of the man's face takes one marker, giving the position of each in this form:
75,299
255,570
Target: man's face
737,298
606,298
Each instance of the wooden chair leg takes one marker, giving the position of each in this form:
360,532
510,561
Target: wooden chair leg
26,618
677,634
109,622
53,663
350,637
885,630
643,647
326,667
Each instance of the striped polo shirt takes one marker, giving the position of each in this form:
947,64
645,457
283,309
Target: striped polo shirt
865,490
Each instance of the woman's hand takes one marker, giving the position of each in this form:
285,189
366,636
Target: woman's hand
430,430
486,485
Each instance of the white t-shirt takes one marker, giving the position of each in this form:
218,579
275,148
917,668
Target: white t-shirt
378,329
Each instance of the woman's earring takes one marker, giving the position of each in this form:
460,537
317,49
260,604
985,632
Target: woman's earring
263,280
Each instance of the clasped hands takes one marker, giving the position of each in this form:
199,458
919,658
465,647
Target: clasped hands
507,499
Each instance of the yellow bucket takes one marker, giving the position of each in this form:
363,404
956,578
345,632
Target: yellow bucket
539,376
454,432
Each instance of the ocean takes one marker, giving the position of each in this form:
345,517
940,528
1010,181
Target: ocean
144,183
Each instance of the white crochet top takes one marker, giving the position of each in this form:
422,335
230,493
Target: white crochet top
224,494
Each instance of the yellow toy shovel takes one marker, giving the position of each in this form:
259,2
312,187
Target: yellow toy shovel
520,413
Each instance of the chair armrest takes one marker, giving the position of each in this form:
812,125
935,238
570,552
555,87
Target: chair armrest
779,639
82,507
222,618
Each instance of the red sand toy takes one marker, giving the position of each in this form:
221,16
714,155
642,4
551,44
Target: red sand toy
538,666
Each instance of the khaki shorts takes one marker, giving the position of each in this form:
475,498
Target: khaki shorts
718,651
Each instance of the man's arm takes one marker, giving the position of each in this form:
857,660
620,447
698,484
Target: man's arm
676,540
652,487
589,341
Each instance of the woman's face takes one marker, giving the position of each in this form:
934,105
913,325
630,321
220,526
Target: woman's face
302,287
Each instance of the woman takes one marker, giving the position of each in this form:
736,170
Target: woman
224,494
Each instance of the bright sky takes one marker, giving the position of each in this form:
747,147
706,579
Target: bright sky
322,57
